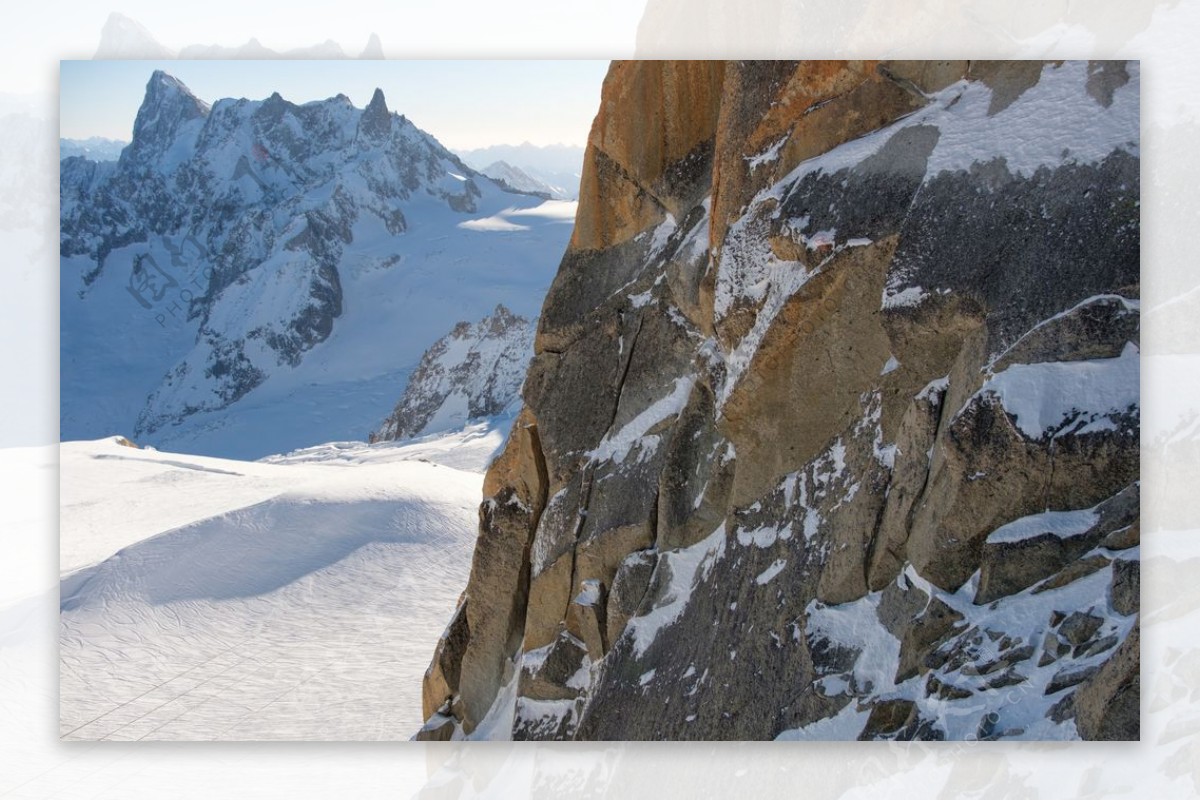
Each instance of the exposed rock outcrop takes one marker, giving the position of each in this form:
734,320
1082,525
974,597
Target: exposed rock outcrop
834,416
474,371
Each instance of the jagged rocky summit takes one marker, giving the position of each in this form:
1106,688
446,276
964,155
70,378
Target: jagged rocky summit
228,193
471,373
832,427
229,242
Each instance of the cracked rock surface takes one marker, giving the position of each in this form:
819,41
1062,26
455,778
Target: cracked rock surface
831,430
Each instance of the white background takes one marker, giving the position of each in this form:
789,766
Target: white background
1167,761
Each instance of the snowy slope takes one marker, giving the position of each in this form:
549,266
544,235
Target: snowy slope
472,373
255,276
295,598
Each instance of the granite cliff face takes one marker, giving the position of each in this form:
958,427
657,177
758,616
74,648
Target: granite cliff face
831,430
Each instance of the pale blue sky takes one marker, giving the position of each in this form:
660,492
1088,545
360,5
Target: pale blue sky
465,104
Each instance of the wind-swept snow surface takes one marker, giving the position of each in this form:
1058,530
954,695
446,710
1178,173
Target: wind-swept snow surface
294,598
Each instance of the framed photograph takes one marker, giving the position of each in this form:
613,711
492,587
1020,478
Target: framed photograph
652,400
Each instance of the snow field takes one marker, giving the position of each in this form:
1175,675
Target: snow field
293,598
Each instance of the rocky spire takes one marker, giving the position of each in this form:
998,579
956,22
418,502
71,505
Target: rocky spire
376,121
167,106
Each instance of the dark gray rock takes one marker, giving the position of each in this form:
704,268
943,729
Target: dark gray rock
1009,567
1097,329
1095,647
1108,704
1126,591
925,634
549,679
1063,709
888,719
947,241
1079,627
1069,677
629,586
1073,572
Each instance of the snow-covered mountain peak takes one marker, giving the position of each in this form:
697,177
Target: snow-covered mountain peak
518,179
503,320
228,240
162,86
473,372
550,168
168,113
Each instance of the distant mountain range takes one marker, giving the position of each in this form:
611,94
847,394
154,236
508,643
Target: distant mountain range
555,168
95,148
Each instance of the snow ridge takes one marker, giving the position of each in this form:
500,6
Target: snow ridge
473,372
